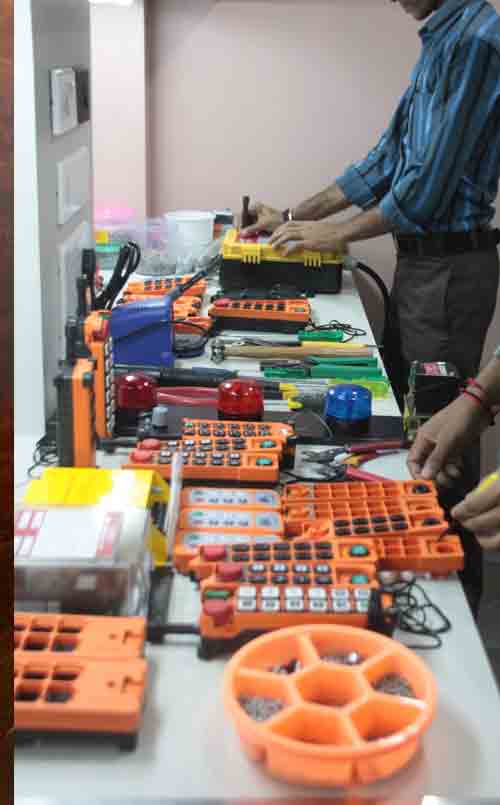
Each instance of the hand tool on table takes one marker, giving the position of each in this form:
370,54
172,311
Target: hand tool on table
342,463
258,348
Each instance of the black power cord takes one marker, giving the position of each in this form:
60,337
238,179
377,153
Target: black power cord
417,614
44,455
348,330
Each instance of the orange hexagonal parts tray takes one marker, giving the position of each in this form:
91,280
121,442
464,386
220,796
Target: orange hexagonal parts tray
320,722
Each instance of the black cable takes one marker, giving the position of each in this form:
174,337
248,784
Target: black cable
128,260
44,455
346,329
377,279
412,614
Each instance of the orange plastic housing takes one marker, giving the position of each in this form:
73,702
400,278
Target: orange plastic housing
417,493
98,340
160,287
215,429
334,728
372,517
194,548
293,311
213,498
259,468
200,445
76,695
232,520
37,636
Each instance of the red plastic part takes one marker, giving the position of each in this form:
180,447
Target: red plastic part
219,611
213,553
141,456
229,571
150,444
240,399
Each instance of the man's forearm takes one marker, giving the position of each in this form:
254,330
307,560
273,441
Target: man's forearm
369,224
328,202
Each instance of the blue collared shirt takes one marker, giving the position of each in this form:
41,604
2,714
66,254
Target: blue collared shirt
437,167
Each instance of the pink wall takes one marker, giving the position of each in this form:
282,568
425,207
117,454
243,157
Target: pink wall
272,98
119,105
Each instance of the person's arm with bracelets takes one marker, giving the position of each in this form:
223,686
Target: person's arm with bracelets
440,443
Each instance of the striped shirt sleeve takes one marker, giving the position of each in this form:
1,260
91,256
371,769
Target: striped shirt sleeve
426,189
365,183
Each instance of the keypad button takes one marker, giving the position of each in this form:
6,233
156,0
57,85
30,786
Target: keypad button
324,555
323,546
360,521
294,605
362,607
247,605
379,519
270,592
343,532
261,556
317,594
322,569
269,605
247,591
241,548
255,578
279,567
400,526
362,530
317,606
303,556
279,579
379,529
282,556
362,595
301,579
340,593
320,579
257,568
303,546
341,523
294,592
340,605
301,568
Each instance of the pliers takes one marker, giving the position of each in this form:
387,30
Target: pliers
355,456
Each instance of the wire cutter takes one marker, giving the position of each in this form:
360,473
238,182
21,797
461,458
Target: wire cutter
355,455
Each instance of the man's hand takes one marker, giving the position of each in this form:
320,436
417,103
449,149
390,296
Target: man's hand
441,441
479,512
268,219
316,236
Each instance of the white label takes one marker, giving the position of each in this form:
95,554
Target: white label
72,534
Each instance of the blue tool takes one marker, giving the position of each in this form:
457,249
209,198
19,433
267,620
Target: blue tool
143,332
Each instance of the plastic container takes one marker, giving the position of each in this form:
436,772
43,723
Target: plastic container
334,728
152,239
189,233
114,225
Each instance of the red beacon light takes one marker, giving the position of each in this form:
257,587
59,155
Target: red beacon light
240,400
135,391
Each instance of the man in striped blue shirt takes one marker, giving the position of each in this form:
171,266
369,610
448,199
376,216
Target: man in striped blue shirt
431,181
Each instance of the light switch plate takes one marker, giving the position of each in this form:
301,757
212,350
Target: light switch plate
70,267
73,184
64,105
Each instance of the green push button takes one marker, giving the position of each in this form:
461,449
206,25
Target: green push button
264,462
359,578
359,550
218,595
267,445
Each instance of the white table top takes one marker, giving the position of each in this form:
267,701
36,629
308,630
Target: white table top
187,747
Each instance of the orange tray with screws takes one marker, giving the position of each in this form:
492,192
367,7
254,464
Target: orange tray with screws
197,549
79,696
37,635
322,723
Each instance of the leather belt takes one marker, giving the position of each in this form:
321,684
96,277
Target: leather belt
441,244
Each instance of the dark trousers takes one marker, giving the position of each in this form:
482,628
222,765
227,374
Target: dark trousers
441,309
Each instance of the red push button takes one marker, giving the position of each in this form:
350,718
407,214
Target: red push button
219,611
150,444
222,302
229,571
141,456
213,553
